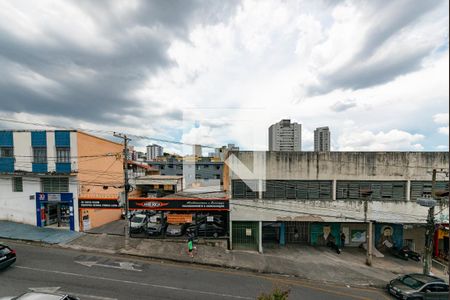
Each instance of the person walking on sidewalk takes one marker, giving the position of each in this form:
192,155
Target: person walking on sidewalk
342,239
191,247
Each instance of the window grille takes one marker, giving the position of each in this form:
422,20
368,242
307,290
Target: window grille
55,184
63,155
17,184
39,155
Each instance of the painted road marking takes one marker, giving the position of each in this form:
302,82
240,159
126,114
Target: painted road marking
123,265
135,283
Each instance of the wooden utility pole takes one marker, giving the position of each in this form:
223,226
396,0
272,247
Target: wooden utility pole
429,233
366,194
125,185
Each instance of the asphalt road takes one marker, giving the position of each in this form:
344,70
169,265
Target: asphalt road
107,277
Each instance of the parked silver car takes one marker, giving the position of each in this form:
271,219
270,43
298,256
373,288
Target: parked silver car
154,229
418,286
176,229
41,296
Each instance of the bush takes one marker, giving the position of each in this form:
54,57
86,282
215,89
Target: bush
276,294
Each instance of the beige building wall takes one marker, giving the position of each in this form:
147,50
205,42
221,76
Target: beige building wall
100,174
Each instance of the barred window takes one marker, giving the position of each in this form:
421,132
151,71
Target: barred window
6,152
55,184
381,190
63,155
298,189
39,155
423,188
17,184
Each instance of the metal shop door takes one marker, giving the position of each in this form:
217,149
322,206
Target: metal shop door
297,232
245,235
271,233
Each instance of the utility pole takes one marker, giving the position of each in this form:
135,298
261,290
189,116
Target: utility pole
429,233
366,194
126,185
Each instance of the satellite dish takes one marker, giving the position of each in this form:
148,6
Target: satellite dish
427,202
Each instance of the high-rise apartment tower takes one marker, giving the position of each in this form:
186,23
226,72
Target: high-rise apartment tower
285,136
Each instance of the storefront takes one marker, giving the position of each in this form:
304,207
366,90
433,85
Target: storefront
210,217
282,233
55,210
441,242
97,211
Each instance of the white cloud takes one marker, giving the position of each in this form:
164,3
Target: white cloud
442,147
441,118
380,141
238,76
443,130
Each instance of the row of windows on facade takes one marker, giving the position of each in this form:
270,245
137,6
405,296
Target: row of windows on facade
180,166
322,190
40,154
48,184
199,176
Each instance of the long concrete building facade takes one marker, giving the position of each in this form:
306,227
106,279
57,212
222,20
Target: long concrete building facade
302,196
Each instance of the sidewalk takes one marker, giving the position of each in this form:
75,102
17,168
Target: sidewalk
318,264
307,262
18,231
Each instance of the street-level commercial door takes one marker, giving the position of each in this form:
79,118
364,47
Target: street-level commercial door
245,235
297,232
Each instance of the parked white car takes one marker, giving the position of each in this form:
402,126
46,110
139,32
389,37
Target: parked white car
138,223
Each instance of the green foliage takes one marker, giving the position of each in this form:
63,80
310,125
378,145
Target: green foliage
276,294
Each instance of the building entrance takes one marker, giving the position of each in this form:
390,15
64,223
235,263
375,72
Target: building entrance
57,214
297,232
55,210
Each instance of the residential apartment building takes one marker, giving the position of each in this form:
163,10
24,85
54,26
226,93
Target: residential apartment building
193,169
154,151
197,150
45,175
285,136
303,192
222,152
322,139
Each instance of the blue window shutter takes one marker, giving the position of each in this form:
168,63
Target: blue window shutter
6,164
63,167
39,168
62,138
39,139
6,139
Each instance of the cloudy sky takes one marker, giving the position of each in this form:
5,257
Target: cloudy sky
214,72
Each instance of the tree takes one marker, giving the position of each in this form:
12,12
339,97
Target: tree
276,294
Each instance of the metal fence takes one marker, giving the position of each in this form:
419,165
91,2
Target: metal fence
245,235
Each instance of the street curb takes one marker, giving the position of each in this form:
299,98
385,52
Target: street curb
123,253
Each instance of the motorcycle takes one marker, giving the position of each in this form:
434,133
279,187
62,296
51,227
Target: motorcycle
412,254
334,247
400,253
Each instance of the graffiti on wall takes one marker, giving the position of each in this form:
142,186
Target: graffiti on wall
388,236
322,233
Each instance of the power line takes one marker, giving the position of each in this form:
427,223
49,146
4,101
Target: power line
205,146
55,126
105,132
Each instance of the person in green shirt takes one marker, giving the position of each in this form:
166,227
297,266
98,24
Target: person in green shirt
191,246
